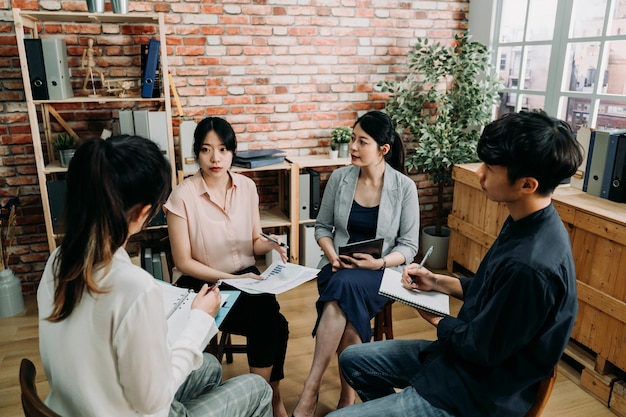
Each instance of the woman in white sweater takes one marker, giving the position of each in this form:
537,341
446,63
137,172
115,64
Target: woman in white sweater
102,326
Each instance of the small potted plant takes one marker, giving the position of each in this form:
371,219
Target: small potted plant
334,152
66,145
342,136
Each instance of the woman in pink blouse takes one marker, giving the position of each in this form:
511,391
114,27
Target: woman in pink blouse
215,230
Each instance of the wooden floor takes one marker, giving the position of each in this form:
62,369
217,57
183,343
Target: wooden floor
18,339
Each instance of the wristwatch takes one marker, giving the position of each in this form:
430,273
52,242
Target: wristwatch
382,268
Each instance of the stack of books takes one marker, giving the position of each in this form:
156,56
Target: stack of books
258,158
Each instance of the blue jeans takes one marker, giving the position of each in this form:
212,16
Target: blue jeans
375,369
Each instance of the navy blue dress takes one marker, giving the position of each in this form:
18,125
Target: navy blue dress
355,290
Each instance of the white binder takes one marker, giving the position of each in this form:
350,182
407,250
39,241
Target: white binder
57,71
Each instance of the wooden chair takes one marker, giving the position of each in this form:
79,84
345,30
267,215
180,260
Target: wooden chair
543,395
383,325
31,403
225,346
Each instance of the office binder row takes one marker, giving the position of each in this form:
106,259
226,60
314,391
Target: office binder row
49,72
605,172
47,69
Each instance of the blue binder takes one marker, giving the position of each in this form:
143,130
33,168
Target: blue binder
149,72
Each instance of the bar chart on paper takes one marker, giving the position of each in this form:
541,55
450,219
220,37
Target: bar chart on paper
277,278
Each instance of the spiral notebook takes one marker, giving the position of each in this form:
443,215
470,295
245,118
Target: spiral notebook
431,301
177,302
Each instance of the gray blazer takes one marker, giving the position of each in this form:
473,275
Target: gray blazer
398,213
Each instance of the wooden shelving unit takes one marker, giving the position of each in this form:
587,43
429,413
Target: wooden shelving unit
28,24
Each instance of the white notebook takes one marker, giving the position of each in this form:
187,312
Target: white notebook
177,302
431,301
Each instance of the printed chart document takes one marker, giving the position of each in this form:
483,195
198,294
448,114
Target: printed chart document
277,278
177,302
431,301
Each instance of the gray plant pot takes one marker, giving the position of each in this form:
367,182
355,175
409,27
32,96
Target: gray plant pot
344,150
439,257
65,156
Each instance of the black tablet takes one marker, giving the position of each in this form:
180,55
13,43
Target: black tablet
372,246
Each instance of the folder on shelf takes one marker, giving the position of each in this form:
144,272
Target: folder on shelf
189,164
258,158
156,91
57,70
157,128
127,124
617,192
36,69
149,71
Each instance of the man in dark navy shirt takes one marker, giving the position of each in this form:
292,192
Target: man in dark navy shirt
518,310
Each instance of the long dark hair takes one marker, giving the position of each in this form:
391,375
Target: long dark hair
383,130
108,182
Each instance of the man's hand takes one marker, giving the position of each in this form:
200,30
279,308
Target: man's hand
415,277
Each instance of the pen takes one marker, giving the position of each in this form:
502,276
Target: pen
428,253
271,239
215,284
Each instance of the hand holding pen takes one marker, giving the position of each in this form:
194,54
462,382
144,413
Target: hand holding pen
416,275
271,239
282,246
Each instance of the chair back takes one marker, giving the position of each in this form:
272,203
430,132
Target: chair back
31,403
543,395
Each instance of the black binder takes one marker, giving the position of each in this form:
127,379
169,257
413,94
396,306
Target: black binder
149,71
314,204
57,191
617,190
36,69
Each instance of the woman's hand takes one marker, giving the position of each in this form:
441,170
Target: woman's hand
208,300
247,275
361,260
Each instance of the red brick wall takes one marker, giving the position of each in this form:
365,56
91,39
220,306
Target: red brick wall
283,75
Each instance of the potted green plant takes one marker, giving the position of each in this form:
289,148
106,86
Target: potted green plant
66,144
334,152
342,136
447,97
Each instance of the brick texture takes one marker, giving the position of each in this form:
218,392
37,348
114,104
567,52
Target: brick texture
284,73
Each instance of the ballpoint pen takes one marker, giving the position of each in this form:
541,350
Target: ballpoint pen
271,239
421,264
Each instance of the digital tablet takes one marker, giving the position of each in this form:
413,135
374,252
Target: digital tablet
373,246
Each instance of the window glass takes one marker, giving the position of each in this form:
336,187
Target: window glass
509,72
581,66
530,102
588,18
541,18
614,78
611,114
576,111
512,20
537,67
618,18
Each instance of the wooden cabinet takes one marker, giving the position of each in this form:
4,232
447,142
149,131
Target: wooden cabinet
597,229
28,24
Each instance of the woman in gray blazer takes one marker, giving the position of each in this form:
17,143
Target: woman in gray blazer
372,198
